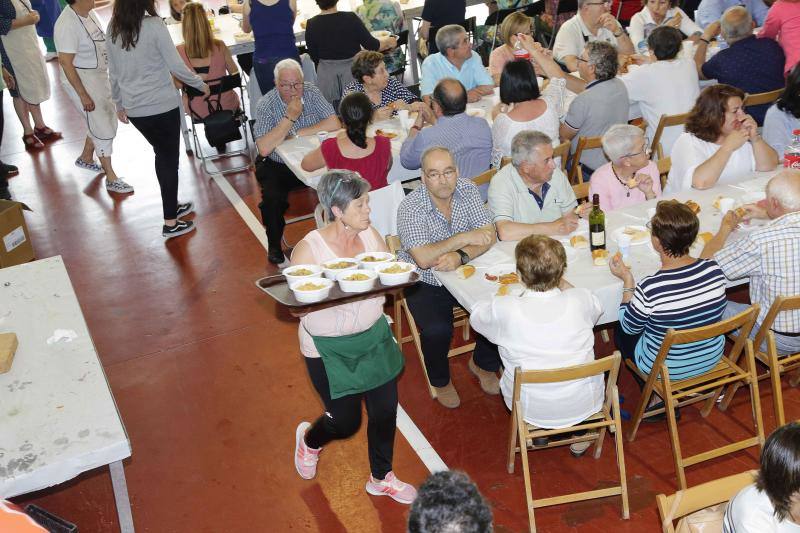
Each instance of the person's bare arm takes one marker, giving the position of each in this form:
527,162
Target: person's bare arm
566,133
711,31
313,160
424,29
246,17
230,64
729,222
707,173
25,20
329,124
427,255
571,62
66,61
509,230
551,69
269,141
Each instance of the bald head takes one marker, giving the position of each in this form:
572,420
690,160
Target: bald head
783,192
451,96
736,24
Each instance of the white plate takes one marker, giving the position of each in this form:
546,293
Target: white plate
617,232
389,133
497,270
476,112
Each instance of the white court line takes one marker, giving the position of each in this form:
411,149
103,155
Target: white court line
407,427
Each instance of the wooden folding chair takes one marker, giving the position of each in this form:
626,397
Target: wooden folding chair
777,364
706,387
666,121
460,319
664,166
584,143
685,502
762,98
581,190
486,177
608,418
562,151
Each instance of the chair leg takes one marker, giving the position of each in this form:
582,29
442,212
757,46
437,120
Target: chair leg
623,481
755,399
512,441
526,473
398,319
672,425
412,325
598,443
641,407
775,377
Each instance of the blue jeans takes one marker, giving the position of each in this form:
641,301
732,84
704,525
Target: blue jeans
264,69
786,344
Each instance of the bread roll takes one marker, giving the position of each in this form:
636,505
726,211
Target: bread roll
694,206
503,290
600,257
579,241
715,205
740,211
705,237
465,271
632,183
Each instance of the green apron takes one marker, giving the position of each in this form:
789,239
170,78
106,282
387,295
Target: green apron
361,361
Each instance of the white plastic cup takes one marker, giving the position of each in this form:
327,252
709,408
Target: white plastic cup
402,114
624,243
725,205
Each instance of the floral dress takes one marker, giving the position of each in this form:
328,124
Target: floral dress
384,15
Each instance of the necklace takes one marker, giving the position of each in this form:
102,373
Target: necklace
627,189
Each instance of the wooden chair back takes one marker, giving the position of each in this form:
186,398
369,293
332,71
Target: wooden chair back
562,151
506,160
584,143
684,502
607,419
664,165
666,121
705,387
581,191
762,98
484,178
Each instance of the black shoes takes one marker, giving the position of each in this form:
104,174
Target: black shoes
181,227
8,170
184,209
275,256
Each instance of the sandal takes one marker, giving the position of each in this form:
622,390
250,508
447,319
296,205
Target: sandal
32,142
47,134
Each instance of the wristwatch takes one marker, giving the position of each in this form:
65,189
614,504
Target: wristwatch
464,256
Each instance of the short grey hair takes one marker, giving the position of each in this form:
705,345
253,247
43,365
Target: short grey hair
338,188
736,23
620,140
432,149
285,64
524,144
448,36
785,188
603,56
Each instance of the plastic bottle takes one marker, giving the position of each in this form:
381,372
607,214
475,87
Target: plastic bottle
520,52
791,154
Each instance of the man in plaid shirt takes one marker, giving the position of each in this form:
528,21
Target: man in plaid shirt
442,225
291,108
769,256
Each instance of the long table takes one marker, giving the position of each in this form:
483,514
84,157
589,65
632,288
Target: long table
581,271
57,415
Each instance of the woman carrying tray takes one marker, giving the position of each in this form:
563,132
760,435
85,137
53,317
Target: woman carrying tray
349,349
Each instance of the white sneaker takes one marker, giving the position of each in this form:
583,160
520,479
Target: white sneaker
118,186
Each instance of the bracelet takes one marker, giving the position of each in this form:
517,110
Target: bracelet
620,34
705,40
290,120
415,127
628,289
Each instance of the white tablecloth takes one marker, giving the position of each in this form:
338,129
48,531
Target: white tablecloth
581,272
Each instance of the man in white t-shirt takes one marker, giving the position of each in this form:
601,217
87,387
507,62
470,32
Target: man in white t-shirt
667,86
81,46
592,22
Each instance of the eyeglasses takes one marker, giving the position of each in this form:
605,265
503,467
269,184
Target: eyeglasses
608,2
345,179
448,173
647,151
290,85
581,59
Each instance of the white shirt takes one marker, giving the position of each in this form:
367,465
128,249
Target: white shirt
689,152
544,330
84,37
573,36
663,88
641,20
750,511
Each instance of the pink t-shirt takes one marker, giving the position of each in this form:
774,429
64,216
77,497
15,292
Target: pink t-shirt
498,59
343,319
613,194
783,23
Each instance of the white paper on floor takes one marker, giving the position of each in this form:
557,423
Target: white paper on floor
65,335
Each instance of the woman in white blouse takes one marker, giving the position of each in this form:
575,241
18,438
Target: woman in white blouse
721,143
549,325
657,13
522,106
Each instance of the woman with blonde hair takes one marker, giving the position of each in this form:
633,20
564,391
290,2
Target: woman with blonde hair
209,58
513,25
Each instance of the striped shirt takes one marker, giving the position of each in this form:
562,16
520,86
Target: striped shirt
271,109
770,257
393,92
419,222
468,138
680,298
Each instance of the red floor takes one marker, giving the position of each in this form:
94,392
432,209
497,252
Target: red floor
210,384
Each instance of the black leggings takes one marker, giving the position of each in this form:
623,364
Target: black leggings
626,344
3,181
343,418
163,132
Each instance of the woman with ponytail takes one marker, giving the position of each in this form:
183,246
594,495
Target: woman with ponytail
351,149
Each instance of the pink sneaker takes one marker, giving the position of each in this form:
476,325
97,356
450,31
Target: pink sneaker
305,458
392,487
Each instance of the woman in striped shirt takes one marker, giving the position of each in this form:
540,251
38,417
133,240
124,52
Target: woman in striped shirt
685,293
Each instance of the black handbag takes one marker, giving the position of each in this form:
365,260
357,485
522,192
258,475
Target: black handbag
221,125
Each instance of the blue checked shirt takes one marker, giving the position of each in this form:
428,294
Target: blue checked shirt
419,222
770,257
271,109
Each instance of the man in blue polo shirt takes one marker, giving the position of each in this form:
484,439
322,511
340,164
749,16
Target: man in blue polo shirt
455,59
750,64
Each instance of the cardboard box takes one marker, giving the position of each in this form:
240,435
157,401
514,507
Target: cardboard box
15,240
8,347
